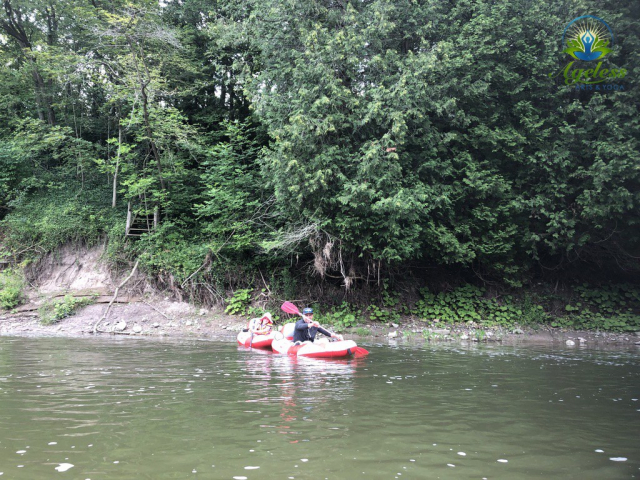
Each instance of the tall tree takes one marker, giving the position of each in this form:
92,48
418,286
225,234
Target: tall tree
432,130
22,21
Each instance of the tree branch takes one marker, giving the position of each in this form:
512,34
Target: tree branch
115,295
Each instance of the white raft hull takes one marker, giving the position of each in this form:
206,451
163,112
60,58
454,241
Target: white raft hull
318,349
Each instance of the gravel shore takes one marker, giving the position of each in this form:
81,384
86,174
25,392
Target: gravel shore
161,317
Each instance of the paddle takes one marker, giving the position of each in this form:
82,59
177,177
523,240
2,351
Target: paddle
289,307
361,352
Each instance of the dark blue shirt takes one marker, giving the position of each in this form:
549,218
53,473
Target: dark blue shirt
303,332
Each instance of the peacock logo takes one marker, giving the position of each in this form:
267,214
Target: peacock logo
587,38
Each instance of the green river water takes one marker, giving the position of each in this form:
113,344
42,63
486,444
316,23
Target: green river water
76,408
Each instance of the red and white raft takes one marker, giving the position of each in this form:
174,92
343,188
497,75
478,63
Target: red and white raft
318,349
258,341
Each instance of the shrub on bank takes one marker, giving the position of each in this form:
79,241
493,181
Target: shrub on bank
41,223
11,286
341,317
611,308
53,311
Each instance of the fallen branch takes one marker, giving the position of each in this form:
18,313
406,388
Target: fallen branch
165,316
114,332
115,295
101,299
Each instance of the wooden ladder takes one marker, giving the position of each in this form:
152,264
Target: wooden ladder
141,220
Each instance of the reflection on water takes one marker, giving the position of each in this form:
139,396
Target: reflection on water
123,409
297,385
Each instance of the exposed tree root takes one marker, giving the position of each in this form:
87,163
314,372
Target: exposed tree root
115,295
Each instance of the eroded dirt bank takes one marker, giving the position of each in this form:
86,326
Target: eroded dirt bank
141,311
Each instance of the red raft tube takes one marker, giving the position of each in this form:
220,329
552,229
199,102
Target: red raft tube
258,341
321,348
259,332
264,340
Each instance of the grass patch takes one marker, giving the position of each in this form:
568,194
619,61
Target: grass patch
41,223
363,332
53,311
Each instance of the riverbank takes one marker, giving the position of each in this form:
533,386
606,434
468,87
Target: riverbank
68,292
162,317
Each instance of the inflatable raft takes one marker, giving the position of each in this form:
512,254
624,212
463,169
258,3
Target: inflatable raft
259,341
318,349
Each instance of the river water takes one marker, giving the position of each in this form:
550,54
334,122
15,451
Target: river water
141,409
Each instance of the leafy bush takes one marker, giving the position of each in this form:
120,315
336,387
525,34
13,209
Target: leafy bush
341,317
532,312
621,322
381,314
51,312
40,223
467,304
11,285
460,305
231,189
170,248
611,308
390,298
388,311
237,305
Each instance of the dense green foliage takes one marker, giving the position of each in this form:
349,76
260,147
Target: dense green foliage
41,222
429,131
238,304
609,308
11,285
352,140
614,307
468,304
340,317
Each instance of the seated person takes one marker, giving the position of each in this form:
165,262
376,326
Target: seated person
306,328
262,325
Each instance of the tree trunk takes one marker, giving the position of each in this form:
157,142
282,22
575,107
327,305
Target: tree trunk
145,104
13,26
115,173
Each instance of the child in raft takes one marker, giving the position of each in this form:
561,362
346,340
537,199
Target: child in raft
261,325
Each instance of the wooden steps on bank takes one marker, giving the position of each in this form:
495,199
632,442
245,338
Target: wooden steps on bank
141,220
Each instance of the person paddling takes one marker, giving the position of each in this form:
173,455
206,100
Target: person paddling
306,328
